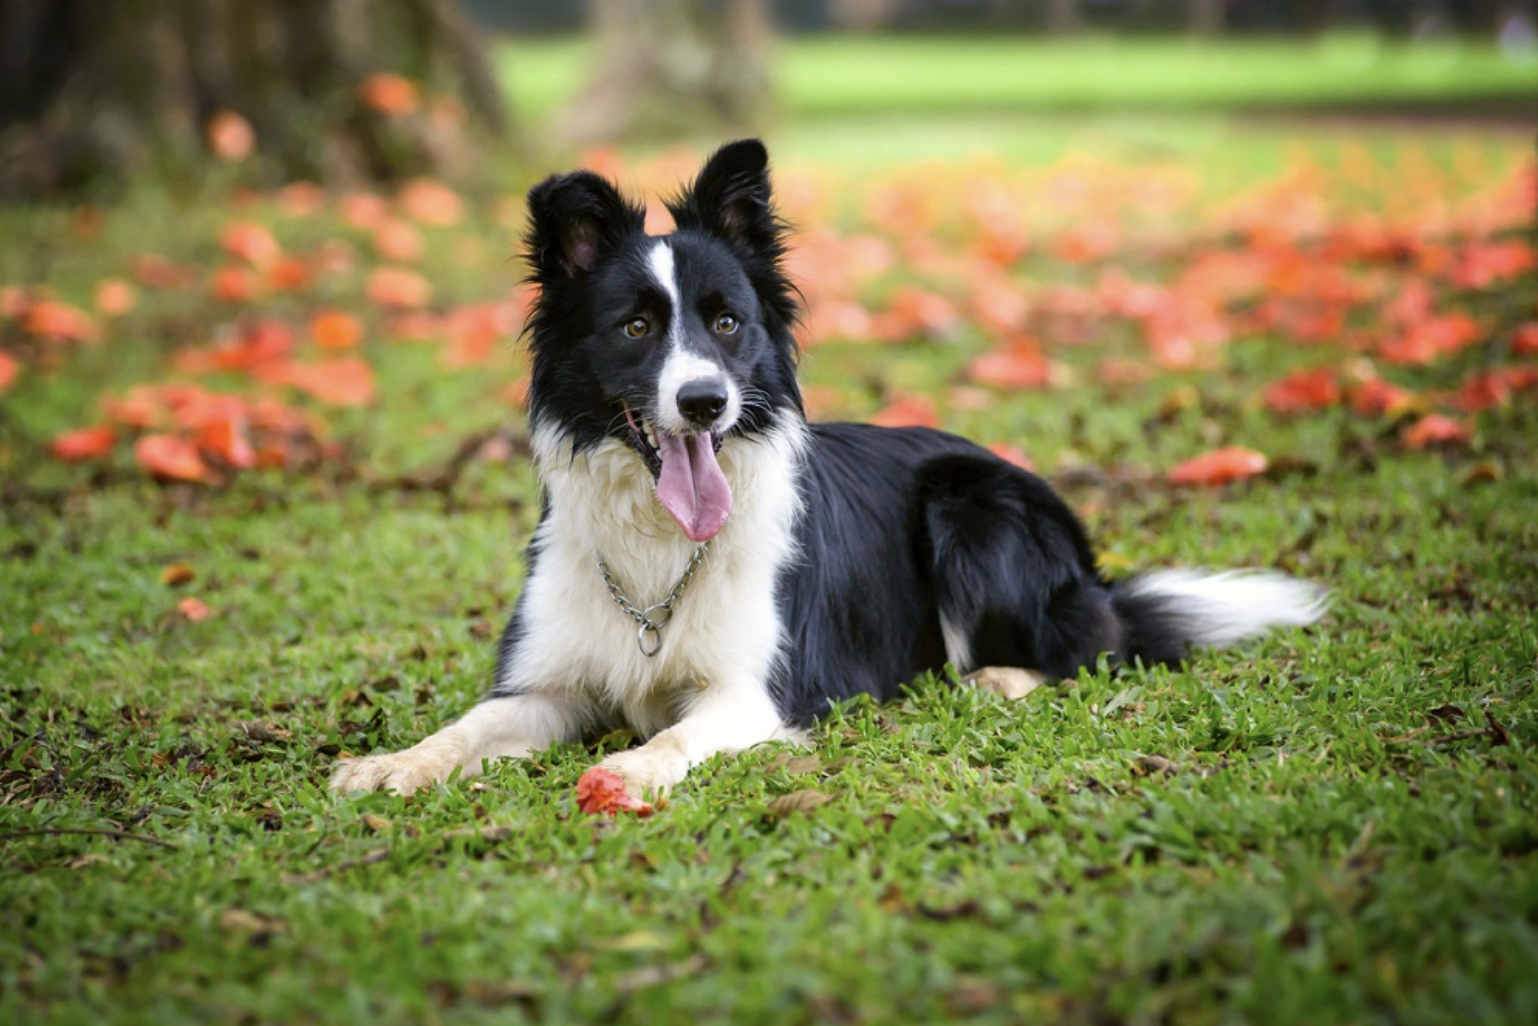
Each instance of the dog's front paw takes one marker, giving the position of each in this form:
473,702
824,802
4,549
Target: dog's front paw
402,772
648,773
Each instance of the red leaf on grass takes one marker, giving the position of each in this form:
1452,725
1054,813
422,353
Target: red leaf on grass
229,137
336,329
251,242
167,456
1525,339
1010,454
1377,398
344,382
1303,391
84,444
908,411
1428,340
194,610
1020,365
223,434
1220,466
398,241
115,297
59,322
1436,429
602,792
431,202
398,287
389,94
9,369
234,284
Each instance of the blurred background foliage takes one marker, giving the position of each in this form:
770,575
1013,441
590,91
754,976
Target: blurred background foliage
346,92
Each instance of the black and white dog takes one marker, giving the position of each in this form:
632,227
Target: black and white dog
713,571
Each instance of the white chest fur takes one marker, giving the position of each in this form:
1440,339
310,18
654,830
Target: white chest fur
603,504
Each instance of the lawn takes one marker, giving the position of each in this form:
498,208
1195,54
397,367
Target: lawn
1332,825
839,76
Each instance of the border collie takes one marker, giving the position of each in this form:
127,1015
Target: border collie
713,571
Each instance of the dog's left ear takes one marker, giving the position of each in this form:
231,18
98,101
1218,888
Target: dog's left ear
731,199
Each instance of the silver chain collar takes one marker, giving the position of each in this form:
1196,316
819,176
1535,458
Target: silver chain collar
649,636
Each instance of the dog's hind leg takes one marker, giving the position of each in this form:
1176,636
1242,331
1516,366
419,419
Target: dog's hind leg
509,726
1007,681
1013,574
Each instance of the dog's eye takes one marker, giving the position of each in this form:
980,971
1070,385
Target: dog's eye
638,327
726,324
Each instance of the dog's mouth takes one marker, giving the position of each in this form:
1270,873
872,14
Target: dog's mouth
690,484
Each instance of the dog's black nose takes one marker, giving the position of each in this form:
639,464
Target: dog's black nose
702,400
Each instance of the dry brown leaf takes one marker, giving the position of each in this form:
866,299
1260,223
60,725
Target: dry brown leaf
259,731
797,801
1152,764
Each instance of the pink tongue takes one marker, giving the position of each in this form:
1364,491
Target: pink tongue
691,485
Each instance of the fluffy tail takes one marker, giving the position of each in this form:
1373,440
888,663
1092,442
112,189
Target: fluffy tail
1166,613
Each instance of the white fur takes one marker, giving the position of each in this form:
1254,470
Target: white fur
1222,609
683,366
958,647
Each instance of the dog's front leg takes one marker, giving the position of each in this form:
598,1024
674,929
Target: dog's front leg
510,726
726,717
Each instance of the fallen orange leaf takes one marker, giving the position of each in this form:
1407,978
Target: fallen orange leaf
1010,454
290,274
223,434
194,610
1303,391
602,792
234,284
1525,339
343,382
1015,367
251,242
1220,466
229,137
1377,398
51,319
388,93
84,444
177,574
167,456
398,288
336,329
9,369
1436,429
908,411
115,297
398,241
431,202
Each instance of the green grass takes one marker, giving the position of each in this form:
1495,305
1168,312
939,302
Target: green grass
822,76
1345,837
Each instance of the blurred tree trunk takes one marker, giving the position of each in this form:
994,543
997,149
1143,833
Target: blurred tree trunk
94,91
1207,17
1063,17
674,67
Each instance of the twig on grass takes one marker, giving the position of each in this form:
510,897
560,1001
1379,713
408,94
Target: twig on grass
489,834
120,835
446,477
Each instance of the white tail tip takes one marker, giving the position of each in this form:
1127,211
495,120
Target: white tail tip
1222,609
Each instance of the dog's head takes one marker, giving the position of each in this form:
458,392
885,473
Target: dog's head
673,344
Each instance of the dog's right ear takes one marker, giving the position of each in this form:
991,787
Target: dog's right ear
576,219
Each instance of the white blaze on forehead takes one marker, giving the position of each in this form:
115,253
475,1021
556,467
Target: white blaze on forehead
661,261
